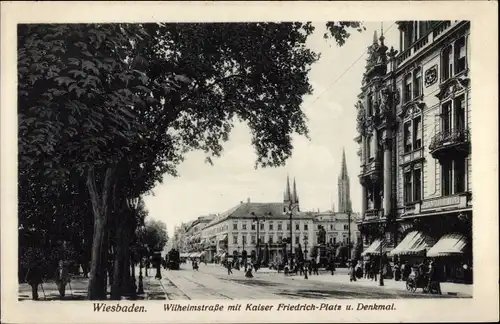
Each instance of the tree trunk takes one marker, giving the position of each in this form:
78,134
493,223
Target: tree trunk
97,283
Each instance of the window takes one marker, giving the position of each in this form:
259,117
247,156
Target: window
407,187
262,226
280,226
459,105
297,239
459,175
417,82
244,239
319,227
253,227
253,239
344,239
370,105
306,227
235,226
235,239
331,227
297,226
446,117
407,88
460,55
447,63
407,136
330,240
280,238
261,239
334,240
417,184
287,226
270,226
371,148
447,178
346,227
270,240
417,133
244,226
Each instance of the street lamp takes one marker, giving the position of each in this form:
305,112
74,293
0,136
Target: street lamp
305,258
140,289
291,207
132,204
349,235
256,219
382,232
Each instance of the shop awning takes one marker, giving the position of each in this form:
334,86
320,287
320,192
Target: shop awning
414,243
374,248
449,244
223,238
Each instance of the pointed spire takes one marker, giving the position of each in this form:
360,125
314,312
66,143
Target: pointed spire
343,168
288,195
382,34
295,195
375,38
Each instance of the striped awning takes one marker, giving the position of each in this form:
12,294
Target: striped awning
414,243
375,247
449,244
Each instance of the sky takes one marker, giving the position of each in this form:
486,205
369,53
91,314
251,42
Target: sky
202,189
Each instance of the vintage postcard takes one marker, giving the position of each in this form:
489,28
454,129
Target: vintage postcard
167,162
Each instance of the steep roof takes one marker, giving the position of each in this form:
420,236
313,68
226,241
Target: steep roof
271,211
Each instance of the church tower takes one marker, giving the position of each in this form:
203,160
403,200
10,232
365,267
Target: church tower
344,204
290,198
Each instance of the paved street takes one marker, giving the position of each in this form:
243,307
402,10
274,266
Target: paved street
212,282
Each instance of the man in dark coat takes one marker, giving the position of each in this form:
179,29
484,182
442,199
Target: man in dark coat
34,277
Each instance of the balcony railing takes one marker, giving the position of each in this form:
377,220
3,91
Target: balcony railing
372,214
449,139
424,41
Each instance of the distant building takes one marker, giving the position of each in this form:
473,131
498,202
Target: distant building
414,135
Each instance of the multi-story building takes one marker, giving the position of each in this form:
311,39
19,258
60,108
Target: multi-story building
414,133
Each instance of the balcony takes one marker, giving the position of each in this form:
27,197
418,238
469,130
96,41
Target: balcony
373,214
370,173
424,42
450,142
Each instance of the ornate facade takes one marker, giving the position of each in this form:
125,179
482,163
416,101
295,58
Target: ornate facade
414,134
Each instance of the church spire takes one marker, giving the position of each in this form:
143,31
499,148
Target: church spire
375,38
343,168
295,195
287,197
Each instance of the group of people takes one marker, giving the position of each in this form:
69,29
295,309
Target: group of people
36,274
424,271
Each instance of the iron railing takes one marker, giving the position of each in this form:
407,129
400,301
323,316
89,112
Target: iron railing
452,136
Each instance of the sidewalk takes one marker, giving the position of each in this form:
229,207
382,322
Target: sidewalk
447,288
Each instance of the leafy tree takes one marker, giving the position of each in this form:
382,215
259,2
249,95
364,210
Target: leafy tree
154,235
120,104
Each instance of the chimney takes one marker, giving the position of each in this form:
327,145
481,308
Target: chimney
248,200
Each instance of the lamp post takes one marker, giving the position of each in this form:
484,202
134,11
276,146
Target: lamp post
256,220
349,235
140,289
132,204
291,207
305,258
382,232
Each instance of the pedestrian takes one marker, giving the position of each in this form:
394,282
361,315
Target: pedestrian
406,270
374,270
229,271
332,266
147,266
310,267
248,272
367,270
62,278
352,270
434,282
397,272
34,277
